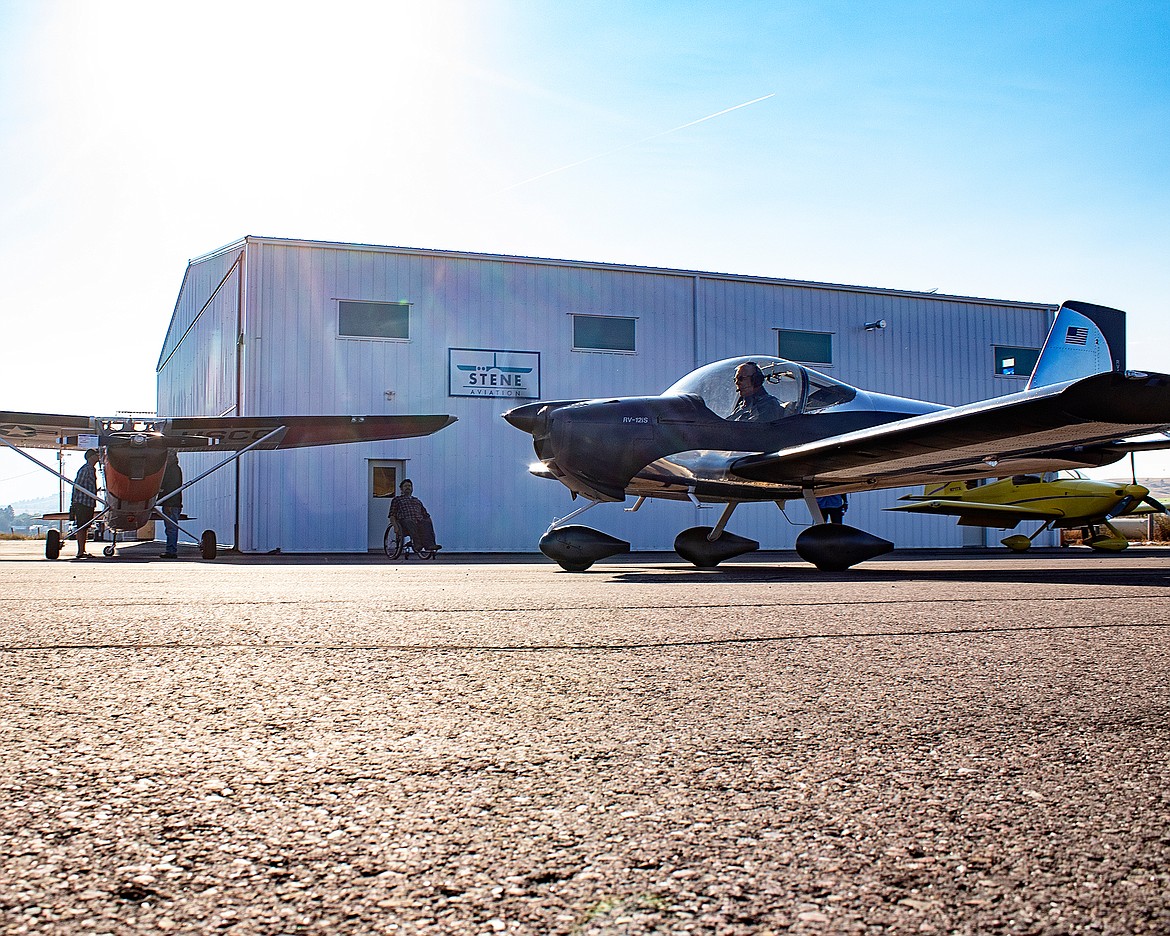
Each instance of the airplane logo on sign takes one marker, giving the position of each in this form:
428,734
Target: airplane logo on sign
494,373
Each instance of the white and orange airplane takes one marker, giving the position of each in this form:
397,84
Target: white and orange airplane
133,452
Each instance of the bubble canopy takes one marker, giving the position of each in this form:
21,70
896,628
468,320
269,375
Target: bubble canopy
799,389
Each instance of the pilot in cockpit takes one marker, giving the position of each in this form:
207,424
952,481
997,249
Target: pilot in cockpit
755,404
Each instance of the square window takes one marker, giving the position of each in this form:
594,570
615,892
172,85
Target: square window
603,333
805,346
1015,362
373,319
385,481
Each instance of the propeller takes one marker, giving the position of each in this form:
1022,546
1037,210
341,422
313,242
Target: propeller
1123,507
1135,496
1158,506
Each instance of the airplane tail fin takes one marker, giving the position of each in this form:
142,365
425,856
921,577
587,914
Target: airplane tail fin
1085,339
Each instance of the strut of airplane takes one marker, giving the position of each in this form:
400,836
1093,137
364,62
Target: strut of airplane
133,453
1078,410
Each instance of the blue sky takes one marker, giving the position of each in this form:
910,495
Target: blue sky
1017,151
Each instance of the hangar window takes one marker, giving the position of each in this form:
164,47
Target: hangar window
805,347
1015,362
373,319
603,333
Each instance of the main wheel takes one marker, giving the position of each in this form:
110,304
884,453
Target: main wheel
52,544
391,543
207,544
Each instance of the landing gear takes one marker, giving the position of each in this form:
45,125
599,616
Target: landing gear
207,545
705,551
1020,543
108,551
575,548
52,544
1106,538
834,547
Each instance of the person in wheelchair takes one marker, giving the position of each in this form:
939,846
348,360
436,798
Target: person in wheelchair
410,518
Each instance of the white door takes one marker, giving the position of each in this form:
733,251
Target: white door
383,476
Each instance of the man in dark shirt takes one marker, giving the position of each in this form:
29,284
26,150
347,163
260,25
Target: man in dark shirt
172,507
82,503
410,517
755,403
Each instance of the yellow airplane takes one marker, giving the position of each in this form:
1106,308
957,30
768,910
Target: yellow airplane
1060,502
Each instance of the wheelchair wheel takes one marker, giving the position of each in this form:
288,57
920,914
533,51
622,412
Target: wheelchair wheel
391,543
424,553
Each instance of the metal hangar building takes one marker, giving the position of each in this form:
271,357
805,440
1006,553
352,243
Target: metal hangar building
269,326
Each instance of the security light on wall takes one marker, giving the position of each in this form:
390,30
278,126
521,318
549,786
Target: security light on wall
874,326
389,394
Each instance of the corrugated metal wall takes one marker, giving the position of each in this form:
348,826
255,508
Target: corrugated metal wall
473,475
197,376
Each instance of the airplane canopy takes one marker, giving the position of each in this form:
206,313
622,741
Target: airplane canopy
798,388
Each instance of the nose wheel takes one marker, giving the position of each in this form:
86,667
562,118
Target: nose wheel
108,551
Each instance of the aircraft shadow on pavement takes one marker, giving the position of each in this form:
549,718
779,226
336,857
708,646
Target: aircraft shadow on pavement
1078,570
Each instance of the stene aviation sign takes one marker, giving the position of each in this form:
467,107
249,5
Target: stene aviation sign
480,373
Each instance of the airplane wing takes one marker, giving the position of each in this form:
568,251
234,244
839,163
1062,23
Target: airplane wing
47,430
1085,416
999,513
237,432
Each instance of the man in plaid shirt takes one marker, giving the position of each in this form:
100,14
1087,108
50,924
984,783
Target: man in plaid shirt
410,517
82,503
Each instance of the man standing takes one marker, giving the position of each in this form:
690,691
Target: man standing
172,507
755,404
83,501
833,506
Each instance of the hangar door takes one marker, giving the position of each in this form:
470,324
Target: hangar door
383,476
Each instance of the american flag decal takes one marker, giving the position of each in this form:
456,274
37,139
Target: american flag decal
1076,335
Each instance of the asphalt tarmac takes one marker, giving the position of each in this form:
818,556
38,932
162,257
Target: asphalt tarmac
930,743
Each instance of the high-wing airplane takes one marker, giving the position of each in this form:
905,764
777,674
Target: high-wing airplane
133,452
828,437
1056,501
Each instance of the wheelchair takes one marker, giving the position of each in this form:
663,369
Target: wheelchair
397,547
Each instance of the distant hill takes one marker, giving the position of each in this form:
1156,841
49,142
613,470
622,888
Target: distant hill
1159,487
37,505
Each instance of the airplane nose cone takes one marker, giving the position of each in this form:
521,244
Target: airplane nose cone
524,417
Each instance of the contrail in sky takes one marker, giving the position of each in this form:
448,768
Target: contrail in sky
653,136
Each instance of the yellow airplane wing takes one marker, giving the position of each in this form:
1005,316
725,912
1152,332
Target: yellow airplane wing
1003,516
